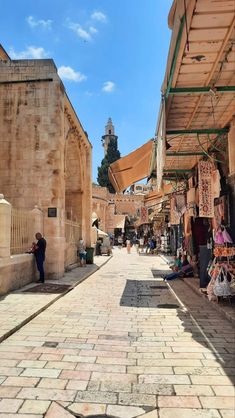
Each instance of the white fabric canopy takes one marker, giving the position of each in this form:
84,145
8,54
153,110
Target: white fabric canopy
101,233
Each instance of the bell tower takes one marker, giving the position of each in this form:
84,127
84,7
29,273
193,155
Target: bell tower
109,134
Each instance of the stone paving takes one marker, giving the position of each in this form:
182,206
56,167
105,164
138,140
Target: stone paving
124,344
18,307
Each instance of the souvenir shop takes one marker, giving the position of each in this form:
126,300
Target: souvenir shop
203,211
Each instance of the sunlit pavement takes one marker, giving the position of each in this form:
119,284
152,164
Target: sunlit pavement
122,344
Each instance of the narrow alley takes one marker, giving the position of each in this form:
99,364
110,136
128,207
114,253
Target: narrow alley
122,344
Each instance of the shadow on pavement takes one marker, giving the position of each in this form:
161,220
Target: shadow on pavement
199,322
148,294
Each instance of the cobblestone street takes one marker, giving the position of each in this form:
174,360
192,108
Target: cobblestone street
124,344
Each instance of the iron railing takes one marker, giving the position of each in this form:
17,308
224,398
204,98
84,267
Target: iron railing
21,230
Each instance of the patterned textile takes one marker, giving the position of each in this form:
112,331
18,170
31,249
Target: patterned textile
143,215
206,193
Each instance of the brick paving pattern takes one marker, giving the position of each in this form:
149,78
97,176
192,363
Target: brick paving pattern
107,347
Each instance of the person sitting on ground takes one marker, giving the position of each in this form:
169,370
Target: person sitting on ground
184,271
177,263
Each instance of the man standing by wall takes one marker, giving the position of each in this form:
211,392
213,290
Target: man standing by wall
39,253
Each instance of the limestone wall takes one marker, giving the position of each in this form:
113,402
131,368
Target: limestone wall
106,205
16,271
42,142
32,146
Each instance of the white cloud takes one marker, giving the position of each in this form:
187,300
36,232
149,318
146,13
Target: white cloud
92,29
101,17
46,24
67,73
30,52
108,86
82,33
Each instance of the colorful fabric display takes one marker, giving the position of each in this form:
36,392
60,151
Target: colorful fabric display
222,236
206,191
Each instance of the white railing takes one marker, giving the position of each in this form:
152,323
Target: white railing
21,230
72,233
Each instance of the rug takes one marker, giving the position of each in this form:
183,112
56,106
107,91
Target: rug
206,191
48,288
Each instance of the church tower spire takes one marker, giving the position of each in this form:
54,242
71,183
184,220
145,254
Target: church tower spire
109,134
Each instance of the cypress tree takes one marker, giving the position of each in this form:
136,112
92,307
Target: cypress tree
112,155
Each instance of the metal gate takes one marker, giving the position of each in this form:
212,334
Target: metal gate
72,233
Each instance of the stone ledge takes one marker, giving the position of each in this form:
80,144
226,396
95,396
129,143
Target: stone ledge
16,271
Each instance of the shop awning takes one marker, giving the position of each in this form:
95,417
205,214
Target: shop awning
131,168
199,83
119,221
154,195
101,233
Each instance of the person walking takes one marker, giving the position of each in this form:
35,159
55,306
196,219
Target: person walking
82,253
128,246
39,253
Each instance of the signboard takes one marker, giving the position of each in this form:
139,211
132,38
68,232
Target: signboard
52,212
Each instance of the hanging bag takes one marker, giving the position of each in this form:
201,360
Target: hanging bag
221,286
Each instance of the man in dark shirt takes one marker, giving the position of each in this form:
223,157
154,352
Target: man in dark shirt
40,255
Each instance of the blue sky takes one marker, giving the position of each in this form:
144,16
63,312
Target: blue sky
111,55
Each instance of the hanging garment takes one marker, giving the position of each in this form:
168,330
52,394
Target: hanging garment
226,237
206,193
174,215
191,203
180,204
216,183
219,240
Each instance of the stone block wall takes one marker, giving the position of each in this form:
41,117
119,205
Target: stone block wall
32,146
17,271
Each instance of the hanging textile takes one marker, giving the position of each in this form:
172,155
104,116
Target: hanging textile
216,183
174,214
143,215
180,203
191,204
206,193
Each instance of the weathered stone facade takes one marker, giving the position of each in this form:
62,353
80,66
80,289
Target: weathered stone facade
106,205
45,155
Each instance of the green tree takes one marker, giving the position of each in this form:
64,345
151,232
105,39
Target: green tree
112,155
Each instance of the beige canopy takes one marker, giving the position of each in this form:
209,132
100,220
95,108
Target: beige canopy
131,168
119,221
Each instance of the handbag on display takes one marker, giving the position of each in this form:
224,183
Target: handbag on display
221,285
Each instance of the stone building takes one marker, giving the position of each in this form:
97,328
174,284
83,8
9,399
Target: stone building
108,207
45,154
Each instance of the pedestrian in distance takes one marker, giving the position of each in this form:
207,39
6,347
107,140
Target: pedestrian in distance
128,246
82,253
39,251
